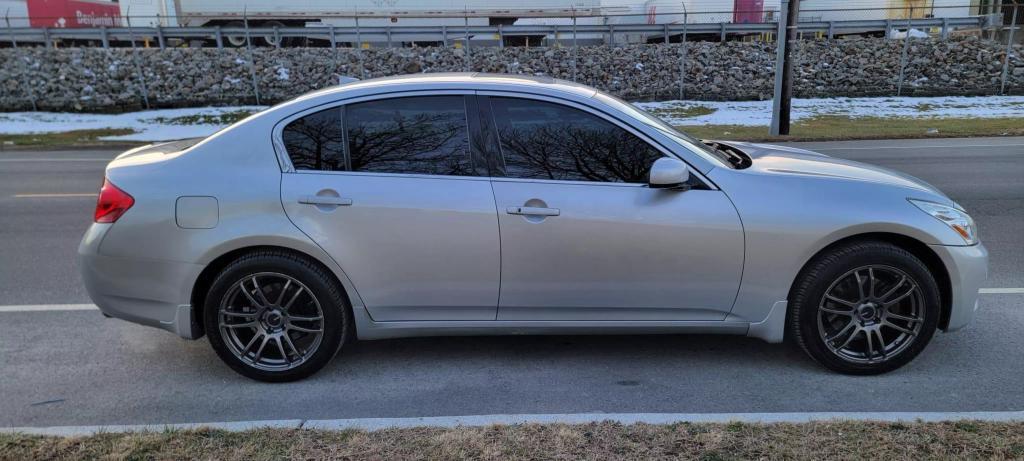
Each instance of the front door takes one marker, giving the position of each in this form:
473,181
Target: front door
394,196
584,238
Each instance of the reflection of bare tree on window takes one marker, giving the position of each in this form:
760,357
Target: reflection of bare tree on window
572,151
428,143
315,142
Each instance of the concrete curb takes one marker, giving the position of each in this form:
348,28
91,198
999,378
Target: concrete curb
371,424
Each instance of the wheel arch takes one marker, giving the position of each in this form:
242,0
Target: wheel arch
916,247
204,281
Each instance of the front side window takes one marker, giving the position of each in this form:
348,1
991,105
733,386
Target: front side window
411,135
543,140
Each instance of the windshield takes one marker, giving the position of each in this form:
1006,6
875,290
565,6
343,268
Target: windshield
693,144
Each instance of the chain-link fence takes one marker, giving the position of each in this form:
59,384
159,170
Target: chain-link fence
662,51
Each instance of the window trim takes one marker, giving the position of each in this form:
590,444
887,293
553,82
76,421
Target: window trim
597,113
288,167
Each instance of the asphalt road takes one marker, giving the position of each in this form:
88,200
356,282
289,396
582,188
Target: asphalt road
77,368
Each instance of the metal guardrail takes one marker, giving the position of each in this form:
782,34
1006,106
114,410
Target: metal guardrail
448,34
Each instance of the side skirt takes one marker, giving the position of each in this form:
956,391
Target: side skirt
367,329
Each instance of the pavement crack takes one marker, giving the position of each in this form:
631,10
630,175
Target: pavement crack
46,402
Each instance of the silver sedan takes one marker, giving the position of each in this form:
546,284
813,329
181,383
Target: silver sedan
471,204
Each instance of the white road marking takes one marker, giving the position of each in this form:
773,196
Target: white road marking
89,307
48,307
370,424
52,195
55,159
1001,291
944,146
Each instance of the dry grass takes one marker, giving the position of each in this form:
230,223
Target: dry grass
837,128
821,440
76,138
824,128
682,111
223,118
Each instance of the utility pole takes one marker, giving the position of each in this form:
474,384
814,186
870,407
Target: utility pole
790,15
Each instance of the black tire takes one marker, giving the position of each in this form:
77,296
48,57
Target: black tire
236,41
320,293
812,318
268,40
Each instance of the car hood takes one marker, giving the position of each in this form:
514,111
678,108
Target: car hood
771,159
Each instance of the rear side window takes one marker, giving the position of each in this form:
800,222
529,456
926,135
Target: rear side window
414,135
422,135
542,140
316,141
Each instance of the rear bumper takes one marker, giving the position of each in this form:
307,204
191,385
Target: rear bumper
968,270
144,291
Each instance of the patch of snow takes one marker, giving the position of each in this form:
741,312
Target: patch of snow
759,113
282,73
914,33
147,124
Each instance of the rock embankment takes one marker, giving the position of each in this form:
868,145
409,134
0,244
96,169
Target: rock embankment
96,79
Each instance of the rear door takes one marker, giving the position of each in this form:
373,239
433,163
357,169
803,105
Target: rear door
390,188
584,238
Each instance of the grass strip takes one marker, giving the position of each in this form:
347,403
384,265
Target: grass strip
839,128
606,440
823,128
75,138
223,118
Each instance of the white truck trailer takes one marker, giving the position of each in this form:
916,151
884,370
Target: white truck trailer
848,10
455,14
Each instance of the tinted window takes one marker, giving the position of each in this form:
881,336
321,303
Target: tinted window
425,135
542,140
316,141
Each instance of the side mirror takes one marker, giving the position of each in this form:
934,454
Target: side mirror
668,173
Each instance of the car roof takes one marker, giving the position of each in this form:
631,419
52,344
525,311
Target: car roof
465,80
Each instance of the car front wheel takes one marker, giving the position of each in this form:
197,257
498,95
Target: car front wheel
274,316
864,308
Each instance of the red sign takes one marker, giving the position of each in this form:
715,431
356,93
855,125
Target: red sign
73,13
748,11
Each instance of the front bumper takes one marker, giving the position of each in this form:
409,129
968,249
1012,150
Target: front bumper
968,269
145,291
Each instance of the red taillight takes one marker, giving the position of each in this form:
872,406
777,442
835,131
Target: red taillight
112,203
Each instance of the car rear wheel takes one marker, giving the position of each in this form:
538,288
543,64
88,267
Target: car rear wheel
864,308
274,316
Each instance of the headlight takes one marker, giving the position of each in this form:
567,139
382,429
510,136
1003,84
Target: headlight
953,216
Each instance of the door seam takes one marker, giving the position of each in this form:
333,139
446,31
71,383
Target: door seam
497,218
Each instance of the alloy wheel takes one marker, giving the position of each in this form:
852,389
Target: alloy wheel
271,321
870,314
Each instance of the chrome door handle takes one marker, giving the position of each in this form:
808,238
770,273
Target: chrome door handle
532,211
324,200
